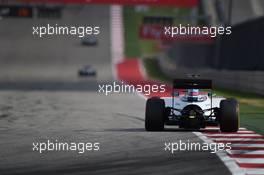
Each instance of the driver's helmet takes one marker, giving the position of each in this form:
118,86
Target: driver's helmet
193,92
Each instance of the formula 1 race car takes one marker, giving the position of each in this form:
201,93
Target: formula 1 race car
192,108
89,41
87,71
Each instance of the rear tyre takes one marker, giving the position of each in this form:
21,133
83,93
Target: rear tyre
229,115
155,114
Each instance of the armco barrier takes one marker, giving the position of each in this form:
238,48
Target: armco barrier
248,81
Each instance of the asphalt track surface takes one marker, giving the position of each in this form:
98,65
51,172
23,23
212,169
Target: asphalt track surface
42,98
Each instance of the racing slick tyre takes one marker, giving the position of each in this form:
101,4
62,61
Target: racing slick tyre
229,115
155,114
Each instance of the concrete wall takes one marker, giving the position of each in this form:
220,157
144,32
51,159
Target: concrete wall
237,62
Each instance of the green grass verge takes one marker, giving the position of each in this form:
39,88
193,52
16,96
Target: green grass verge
153,70
136,47
251,105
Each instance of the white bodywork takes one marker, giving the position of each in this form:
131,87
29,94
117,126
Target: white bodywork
179,103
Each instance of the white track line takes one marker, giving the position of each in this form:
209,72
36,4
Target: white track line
250,160
234,135
254,171
218,132
229,162
233,158
117,40
245,158
245,152
217,128
247,145
238,139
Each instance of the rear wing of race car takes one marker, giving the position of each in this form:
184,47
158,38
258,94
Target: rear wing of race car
192,84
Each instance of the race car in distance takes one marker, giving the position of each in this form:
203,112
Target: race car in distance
87,71
191,108
89,41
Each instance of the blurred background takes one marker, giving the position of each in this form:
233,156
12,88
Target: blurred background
49,85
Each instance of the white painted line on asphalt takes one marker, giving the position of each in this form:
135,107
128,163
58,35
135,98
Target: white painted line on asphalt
253,171
247,145
229,162
218,132
117,43
238,139
217,128
245,152
250,160
234,135
232,158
